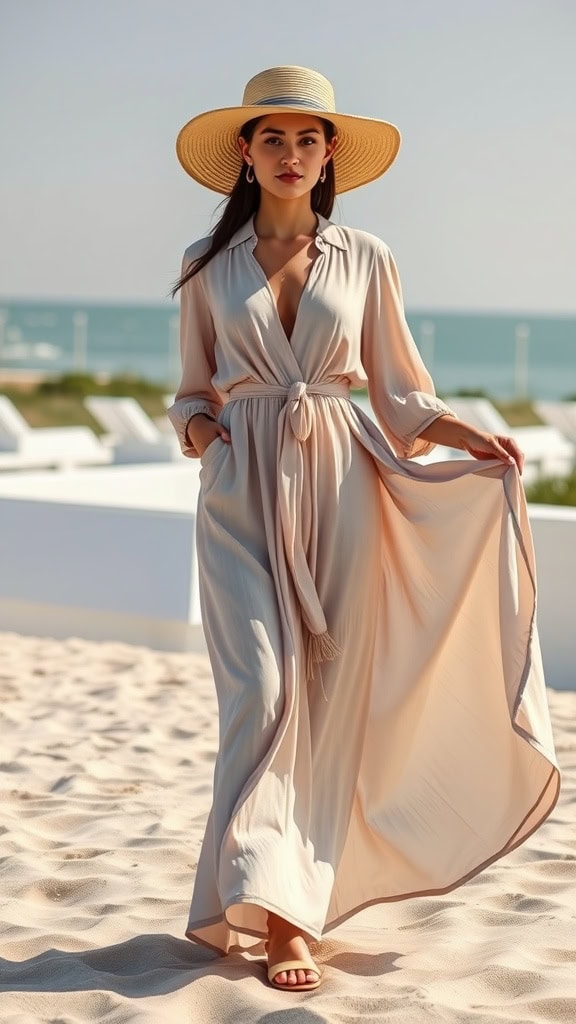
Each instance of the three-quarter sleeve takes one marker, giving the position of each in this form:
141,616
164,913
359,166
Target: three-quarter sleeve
400,389
197,334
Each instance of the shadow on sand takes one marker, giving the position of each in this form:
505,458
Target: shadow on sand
150,965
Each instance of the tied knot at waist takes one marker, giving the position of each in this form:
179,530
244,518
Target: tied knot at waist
297,398
294,425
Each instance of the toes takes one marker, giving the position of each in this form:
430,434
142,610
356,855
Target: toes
299,977
286,978
290,978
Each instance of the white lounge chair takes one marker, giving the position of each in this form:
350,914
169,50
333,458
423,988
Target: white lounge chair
561,415
162,422
480,413
26,447
547,451
131,434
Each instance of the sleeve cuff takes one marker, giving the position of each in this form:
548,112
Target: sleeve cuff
413,444
180,414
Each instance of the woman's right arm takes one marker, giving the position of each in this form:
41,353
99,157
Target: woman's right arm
196,403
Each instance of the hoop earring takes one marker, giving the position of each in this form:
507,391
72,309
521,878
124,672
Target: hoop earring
323,175
248,178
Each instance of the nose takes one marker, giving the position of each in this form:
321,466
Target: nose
290,157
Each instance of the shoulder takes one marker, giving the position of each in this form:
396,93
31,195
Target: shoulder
196,249
373,258
368,255
366,241
359,241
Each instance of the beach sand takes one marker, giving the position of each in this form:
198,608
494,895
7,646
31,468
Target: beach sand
106,762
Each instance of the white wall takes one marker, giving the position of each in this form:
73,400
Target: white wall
101,553
554,532
109,553
168,486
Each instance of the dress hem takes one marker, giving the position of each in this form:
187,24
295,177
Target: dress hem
508,847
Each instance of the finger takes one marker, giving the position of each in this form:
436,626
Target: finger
495,448
488,447
519,457
504,454
512,448
518,454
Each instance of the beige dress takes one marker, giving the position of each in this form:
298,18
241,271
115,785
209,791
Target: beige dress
370,621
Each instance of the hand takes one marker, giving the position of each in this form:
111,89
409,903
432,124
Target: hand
492,446
451,431
201,430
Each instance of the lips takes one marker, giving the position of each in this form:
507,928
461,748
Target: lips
289,177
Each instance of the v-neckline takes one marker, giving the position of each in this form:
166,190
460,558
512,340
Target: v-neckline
305,290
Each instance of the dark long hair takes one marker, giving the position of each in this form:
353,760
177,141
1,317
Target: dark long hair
244,200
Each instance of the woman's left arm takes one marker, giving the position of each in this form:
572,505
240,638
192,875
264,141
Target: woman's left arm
400,388
455,433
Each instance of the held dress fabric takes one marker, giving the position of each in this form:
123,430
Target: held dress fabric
416,747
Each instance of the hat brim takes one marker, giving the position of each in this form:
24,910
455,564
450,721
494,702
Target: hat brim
207,146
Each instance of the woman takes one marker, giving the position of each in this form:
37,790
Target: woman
384,731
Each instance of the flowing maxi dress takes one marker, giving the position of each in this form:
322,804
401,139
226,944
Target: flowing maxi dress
384,730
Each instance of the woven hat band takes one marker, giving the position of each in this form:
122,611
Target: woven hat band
289,101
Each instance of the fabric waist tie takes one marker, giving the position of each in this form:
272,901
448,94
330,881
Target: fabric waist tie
300,410
294,425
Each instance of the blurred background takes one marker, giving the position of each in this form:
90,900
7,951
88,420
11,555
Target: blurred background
95,210
97,501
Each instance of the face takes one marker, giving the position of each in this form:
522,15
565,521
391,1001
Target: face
287,152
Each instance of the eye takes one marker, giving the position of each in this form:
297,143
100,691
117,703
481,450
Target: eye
309,138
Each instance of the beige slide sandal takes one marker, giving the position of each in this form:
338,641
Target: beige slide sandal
294,965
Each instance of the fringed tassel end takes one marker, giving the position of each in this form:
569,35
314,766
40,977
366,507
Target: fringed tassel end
320,647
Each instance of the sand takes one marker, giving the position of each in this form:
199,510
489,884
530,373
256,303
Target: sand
106,761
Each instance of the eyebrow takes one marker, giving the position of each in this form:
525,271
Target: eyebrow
279,131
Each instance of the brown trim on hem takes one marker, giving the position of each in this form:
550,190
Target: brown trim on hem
335,922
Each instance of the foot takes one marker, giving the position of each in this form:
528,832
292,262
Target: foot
286,943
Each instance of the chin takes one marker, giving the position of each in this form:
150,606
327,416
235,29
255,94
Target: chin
281,191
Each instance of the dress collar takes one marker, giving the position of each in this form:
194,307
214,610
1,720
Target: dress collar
326,231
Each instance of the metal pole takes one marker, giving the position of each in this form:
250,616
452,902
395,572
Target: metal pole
3,318
521,367
174,369
80,321
427,336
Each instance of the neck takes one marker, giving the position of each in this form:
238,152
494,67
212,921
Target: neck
284,219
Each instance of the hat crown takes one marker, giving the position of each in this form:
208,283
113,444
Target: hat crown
290,85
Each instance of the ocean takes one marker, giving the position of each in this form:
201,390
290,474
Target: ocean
505,355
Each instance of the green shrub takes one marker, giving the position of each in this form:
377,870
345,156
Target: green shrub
470,393
553,490
127,385
83,384
68,384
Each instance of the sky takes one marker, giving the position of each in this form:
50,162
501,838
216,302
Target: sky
479,208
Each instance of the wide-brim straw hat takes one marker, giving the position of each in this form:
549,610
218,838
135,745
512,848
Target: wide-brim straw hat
207,145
